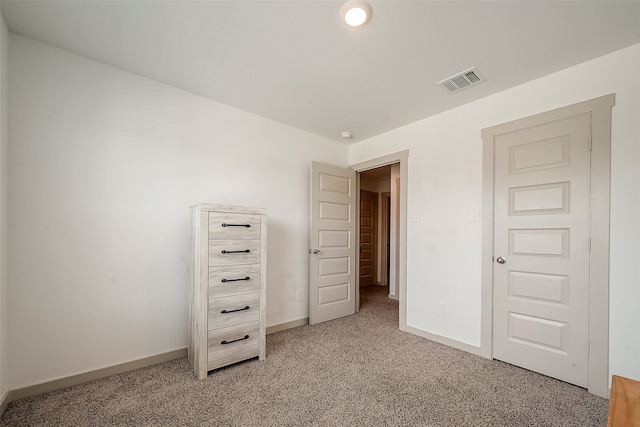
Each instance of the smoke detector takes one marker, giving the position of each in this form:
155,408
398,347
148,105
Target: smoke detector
463,80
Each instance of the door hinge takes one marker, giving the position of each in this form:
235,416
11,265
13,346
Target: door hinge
590,143
589,244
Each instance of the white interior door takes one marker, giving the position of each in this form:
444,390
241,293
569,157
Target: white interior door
332,255
541,248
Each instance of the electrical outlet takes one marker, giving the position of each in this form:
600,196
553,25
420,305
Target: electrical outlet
440,309
300,295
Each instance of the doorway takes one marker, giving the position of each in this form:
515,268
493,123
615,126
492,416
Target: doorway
392,193
334,261
541,226
374,225
529,281
379,190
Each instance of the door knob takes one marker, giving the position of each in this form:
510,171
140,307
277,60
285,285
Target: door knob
316,251
501,260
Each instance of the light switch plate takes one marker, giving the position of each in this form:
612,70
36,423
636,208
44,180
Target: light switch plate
474,213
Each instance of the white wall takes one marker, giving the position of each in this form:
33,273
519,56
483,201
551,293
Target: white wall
445,164
104,166
4,209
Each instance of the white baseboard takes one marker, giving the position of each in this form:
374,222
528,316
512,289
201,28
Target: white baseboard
443,340
62,383
4,402
287,325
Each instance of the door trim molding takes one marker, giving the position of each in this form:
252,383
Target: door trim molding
600,110
401,157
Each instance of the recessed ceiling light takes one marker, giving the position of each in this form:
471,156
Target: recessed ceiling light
355,13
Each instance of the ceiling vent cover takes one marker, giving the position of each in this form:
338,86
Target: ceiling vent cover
463,80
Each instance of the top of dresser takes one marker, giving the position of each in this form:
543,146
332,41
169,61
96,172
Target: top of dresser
211,207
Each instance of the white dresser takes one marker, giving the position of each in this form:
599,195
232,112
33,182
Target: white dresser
228,276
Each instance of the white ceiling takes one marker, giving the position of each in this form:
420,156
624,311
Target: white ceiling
296,63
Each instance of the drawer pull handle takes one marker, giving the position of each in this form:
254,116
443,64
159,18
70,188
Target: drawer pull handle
235,280
246,337
236,225
246,251
246,307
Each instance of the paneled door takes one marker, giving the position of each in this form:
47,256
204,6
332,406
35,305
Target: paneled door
541,248
368,240
332,252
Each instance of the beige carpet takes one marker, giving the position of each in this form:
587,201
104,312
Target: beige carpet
355,371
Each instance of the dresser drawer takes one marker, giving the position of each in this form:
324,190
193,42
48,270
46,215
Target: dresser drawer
233,310
228,342
231,280
234,252
225,226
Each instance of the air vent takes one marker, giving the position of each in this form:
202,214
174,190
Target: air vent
463,80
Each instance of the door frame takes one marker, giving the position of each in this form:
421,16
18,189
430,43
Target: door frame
600,111
401,157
